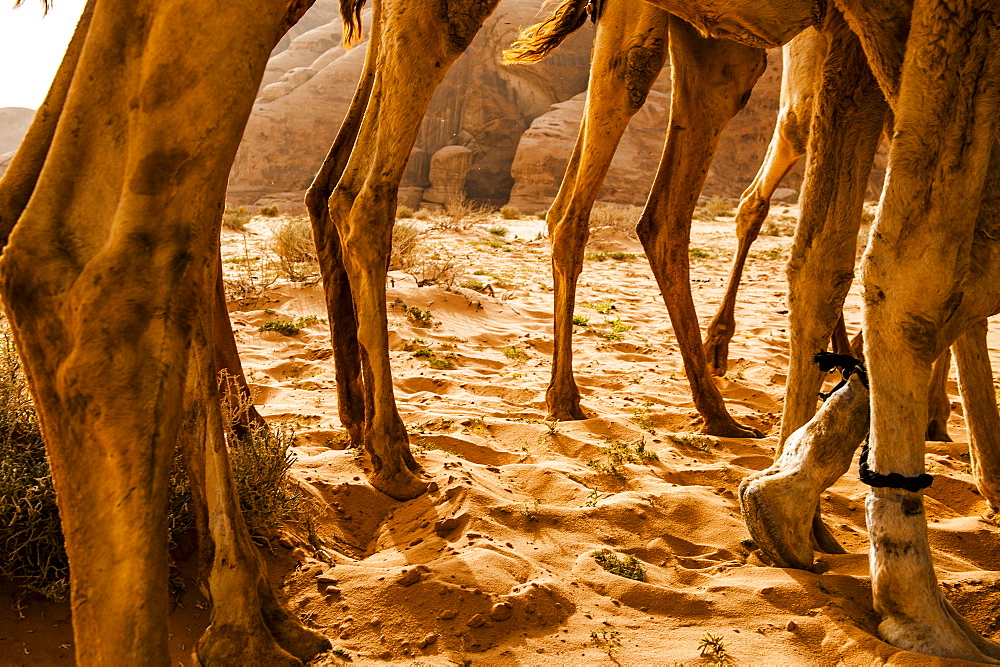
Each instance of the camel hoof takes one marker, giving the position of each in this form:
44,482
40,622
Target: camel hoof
300,641
567,415
730,428
779,523
231,645
399,484
941,637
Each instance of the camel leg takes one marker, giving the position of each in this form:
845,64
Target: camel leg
336,283
102,277
712,80
363,204
802,58
629,52
848,117
927,219
975,379
938,403
814,457
247,624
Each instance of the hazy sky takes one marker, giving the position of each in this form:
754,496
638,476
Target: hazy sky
31,47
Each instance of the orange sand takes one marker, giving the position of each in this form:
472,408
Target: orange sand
496,566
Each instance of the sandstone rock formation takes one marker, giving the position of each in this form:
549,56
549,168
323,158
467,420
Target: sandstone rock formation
14,123
481,105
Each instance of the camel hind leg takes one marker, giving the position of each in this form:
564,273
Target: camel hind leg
629,52
712,80
362,206
801,57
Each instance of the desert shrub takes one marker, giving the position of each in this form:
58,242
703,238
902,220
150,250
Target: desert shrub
460,213
248,277
406,246
436,267
236,218
499,231
31,542
628,567
619,217
404,212
422,214
270,211
293,245
509,212
32,549
778,225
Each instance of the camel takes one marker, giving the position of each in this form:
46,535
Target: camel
943,142
109,278
629,51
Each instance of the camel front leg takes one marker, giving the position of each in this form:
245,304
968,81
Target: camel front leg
247,624
712,80
802,59
629,53
336,283
937,168
975,381
362,206
849,113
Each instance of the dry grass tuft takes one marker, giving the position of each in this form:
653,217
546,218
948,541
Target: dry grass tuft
236,219
293,245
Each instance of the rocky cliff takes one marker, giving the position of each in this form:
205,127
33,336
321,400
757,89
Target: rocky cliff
14,123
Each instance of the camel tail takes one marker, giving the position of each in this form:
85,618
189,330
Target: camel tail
536,42
350,12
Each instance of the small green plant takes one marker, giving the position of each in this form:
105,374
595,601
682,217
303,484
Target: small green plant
420,318
499,231
286,327
236,219
603,307
433,360
616,255
270,311
606,639
701,444
473,285
628,567
698,253
515,353
592,498
581,321
530,512
617,454
617,329
341,653
713,648
270,211
404,213
640,417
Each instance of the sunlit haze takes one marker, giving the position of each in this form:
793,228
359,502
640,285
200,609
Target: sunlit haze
31,46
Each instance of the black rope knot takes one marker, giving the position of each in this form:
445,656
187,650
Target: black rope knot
595,8
848,365
892,480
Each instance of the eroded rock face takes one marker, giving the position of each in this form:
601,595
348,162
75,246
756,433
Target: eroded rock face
545,148
14,123
481,105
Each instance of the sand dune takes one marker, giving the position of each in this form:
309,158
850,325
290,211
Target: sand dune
497,564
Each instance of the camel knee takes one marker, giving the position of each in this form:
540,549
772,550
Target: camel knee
641,65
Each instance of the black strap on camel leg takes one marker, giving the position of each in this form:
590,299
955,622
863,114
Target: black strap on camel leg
848,365
595,8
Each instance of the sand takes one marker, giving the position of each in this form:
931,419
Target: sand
497,565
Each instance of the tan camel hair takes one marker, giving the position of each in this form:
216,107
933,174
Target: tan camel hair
110,279
942,79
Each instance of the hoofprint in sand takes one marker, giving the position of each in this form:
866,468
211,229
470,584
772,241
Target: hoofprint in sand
497,564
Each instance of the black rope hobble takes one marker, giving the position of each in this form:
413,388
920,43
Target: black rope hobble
595,8
848,365
892,480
